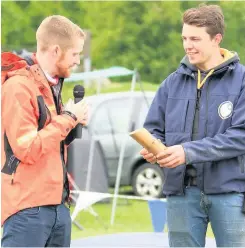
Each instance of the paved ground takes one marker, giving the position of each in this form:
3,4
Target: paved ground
147,239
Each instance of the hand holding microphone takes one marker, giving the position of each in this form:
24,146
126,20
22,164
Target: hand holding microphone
78,107
80,110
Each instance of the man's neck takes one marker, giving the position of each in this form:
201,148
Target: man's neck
214,61
42,61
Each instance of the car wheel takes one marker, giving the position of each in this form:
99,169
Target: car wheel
148,181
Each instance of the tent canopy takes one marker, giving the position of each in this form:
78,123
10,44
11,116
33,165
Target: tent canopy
105,73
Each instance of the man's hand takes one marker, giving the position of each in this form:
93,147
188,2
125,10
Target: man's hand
80,110
84,121
149,157
171,157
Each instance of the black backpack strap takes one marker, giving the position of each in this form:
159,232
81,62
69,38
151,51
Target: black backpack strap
12,162
42,112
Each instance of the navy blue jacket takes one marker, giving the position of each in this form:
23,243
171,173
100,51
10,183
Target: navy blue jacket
219,153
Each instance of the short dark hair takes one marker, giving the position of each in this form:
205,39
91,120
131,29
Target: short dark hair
209,16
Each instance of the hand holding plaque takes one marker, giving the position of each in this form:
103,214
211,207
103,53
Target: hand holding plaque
150,143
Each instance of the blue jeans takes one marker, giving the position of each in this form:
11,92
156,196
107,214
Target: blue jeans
188,217
45,226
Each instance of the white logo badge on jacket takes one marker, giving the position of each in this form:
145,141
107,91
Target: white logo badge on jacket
225,109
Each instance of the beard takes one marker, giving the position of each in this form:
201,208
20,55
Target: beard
63,71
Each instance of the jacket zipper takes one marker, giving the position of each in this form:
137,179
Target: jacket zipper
13,174
56,103
206,124
183,176
12,178
66,185
65,179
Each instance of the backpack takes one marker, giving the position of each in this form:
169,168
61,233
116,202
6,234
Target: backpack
12,62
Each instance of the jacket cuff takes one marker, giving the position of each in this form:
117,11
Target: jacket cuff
188,156
70,114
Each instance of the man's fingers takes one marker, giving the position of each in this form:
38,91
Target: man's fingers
152,160
174,163
143,152
164,154
149,156
166,160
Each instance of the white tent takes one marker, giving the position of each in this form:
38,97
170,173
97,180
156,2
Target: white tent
99,75
115,71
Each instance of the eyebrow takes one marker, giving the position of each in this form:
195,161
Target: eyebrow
182,36
80,53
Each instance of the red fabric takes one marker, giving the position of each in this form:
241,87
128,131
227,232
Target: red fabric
10,62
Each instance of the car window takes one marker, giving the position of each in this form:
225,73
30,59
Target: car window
144,110
112,116
100,123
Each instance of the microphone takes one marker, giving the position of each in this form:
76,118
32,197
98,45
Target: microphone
78,93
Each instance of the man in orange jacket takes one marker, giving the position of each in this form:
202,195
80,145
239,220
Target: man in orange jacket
34,129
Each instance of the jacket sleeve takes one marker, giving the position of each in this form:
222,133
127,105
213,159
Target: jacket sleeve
20,122
155,119
224,145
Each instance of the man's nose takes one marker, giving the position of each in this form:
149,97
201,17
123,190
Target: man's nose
188,44
77,62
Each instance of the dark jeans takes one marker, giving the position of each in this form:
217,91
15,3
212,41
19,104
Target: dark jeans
46,226
188,217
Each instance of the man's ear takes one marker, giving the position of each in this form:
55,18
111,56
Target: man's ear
56,51
217,39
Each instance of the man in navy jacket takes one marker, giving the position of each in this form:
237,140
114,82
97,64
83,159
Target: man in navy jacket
199,114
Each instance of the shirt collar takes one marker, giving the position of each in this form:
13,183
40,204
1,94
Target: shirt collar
52,80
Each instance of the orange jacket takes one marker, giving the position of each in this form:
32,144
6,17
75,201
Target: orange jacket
38,179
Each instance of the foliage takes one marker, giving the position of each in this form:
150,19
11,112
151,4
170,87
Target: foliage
142,34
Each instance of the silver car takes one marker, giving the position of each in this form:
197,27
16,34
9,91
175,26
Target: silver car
112,117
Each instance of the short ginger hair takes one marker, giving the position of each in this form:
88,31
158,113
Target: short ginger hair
58,30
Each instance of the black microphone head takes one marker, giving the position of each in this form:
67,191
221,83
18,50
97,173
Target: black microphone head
78,91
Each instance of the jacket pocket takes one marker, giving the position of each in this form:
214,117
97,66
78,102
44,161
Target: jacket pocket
176,115
10,165
11,162
184,116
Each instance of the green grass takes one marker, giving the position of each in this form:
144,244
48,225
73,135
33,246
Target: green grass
67,91
131,216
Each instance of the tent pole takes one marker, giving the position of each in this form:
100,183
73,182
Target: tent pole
90,164
122,151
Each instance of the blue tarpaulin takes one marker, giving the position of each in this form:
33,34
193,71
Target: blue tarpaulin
105,73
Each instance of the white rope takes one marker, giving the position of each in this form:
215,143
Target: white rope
108,195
